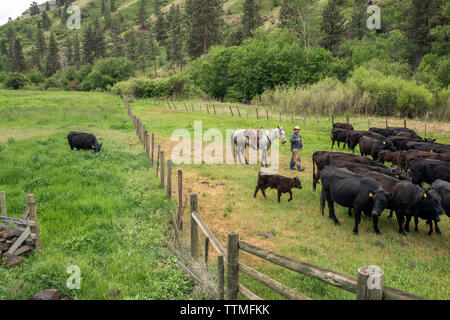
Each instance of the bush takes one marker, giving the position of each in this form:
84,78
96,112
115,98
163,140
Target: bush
179,85
107,72
35,76
16,80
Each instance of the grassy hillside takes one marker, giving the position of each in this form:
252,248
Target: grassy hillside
102,212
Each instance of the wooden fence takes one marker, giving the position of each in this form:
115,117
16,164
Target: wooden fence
25,230
368,285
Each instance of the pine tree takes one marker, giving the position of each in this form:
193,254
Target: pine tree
286,14
161,29
35,58
107,16
131,46
141,53
64,15
358,19
99,40
76,52
45,21
204,22
19,59
250,19
117,40
40,44
103,7
69,52
88,45
34,9
142,14
332,26
112,6
422,16
11,38
176,36
52,62
4,47
47,6
153,50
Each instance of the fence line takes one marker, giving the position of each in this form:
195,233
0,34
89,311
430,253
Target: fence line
199,271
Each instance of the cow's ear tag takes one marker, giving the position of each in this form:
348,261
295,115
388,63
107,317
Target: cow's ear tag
384,142
424,194
397,176
370,194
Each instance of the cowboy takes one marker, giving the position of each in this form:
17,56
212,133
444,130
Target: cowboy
296,146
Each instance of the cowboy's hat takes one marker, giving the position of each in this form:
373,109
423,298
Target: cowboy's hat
296,128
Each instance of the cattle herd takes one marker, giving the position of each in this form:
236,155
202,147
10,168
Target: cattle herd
367,185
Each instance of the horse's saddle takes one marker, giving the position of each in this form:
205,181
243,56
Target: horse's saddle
252,136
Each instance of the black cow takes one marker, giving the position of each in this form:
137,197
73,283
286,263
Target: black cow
429,147
368,145
323,158
383,131
275,181
404,157
387,156
425,170
346,126
401,129
354,137
413,201
339,135
443,189
85,141
354,192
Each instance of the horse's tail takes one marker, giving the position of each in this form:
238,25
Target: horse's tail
232,143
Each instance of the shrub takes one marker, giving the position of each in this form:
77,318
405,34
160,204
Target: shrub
107,72
35,76
16,80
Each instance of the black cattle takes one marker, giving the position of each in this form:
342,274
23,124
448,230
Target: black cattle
401,129
424,170
429,147
323,158
275,181
346,126
443,189
410,135
387,156
85,141
413,201
339,135
391,172
401,143
368,145
383,131
362,194
404,157
355,136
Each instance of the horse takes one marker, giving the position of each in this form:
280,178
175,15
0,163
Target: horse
259,139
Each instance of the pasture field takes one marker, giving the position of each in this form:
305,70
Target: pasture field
417,263
103,212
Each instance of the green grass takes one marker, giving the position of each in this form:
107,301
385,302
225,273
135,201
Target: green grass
417,263
103,212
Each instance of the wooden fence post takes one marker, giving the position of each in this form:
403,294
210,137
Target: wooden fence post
239,111
370,283
169,179
267,114
386,123
162,169
3,201
147,143
33,216
233,266
206,251
157,160
332,119
257,117
221,276
347,119
404,123
194,227
153,147
180,199
231,111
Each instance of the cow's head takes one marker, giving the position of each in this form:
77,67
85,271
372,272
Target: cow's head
431,203
282,134
429,140
297,183
388,145
96,147
380,200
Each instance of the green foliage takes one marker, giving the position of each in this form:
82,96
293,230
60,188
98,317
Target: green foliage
179,85
15,80
261,63
106,72
434,71
35,76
